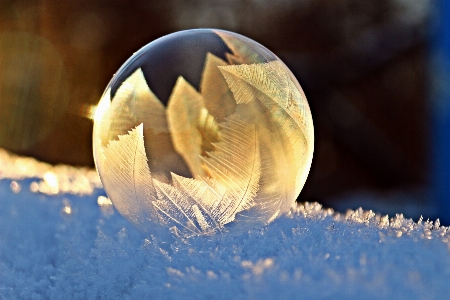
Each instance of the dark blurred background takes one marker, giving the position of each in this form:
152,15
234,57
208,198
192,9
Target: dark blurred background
364,66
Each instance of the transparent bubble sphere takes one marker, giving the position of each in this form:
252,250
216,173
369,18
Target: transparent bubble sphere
203,132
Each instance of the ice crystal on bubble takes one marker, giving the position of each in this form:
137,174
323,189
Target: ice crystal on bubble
203,131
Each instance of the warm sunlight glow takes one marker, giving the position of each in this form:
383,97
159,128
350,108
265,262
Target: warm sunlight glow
88,111
99,111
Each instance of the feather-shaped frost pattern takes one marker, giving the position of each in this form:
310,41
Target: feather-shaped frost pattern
209,130
200,218
183,110
144,105
270,83
205,193
206,205
218,98
204,197
133,104
196,206
243,93
272,79
244,49
294,145
272,187
175,205
123,118
208,126
236,165
127,176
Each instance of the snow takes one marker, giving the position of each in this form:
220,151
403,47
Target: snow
69,243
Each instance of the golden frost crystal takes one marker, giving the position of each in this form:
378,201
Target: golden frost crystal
201,132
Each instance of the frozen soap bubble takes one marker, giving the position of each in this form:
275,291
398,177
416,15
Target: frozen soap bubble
201,132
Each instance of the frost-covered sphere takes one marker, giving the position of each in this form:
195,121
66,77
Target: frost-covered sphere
203,132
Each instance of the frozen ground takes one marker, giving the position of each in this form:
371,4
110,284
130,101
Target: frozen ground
59,239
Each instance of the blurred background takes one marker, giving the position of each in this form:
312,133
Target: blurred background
375,73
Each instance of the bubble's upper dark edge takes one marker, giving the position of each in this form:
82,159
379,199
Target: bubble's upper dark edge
162,61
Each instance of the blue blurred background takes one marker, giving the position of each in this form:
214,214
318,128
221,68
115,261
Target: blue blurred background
439,72
376,74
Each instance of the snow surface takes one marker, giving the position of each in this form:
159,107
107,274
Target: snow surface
75,246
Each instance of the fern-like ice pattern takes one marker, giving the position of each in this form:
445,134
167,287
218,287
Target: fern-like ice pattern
244,138
196,205
270,84
127,176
